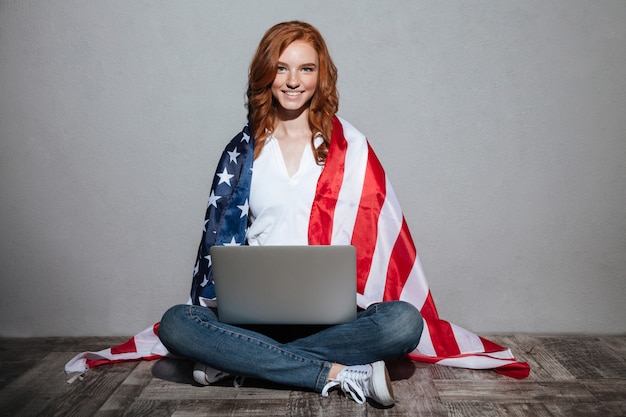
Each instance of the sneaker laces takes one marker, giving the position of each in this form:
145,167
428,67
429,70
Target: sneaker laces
352,380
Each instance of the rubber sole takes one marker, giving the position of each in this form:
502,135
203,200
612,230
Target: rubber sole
381,384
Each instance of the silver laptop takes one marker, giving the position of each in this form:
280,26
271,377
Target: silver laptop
285,284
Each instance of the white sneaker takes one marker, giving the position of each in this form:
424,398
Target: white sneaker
205,375
364,381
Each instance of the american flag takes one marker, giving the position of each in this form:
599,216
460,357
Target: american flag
354,204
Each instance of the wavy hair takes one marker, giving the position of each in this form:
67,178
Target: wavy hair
262,107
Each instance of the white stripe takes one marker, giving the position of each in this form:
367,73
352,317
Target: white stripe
389,227
503,354
351,187
467,341
415,290
425,346
148,344
475,362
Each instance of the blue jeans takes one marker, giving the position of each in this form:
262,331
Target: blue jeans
383,331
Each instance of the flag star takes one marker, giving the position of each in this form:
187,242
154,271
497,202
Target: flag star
244,209
196,268
232,242
208,258
205,281
225,177
213,199
245,138
205,223
233,155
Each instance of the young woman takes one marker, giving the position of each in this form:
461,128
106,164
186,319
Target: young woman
292,124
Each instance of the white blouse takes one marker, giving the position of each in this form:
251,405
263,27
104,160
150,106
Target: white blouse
280,205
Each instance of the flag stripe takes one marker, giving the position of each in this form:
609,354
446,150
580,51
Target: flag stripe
415,289
399,269
364,236
355,165
489,346
128,347
442,336
327,190
388,227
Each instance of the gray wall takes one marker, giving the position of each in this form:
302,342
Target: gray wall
502,125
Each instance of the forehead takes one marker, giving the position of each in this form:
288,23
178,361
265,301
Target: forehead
300,51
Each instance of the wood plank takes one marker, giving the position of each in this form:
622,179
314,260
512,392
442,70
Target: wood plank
23,396
166,390
471,409
418,396
84,397
614,408
17,355
310,404
544,365
572,376
607,389
591,409
336,405
15,360
512,391
127,392
46,376
616,343
151,408
523,410
231,407
586,358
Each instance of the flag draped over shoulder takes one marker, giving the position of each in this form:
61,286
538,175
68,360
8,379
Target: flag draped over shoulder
354,204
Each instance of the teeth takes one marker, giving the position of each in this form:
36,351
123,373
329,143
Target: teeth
291,93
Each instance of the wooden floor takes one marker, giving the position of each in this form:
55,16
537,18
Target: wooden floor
571,376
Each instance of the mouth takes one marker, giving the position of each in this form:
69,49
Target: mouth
293,93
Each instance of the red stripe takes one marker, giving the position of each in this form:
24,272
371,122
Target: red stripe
490,346
401,263
327,190
517,370
365,231
441,333
93,363
126,347
443,338
428,310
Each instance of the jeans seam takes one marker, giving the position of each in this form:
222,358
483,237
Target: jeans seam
252,339
323,376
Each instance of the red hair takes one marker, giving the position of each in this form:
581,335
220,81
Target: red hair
262,108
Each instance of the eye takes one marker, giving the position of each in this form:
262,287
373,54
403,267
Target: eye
281,68
308,69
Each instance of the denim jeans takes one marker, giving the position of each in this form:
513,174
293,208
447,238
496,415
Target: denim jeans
383,331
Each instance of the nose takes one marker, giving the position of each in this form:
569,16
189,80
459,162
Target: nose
293,80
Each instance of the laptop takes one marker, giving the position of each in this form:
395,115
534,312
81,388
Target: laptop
313,285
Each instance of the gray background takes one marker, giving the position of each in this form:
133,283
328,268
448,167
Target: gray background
501,124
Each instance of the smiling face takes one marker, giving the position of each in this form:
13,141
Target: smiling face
296,79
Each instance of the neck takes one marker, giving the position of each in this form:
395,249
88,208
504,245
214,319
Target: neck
291,124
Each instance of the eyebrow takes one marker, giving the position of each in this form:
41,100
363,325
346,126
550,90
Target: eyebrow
311,64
